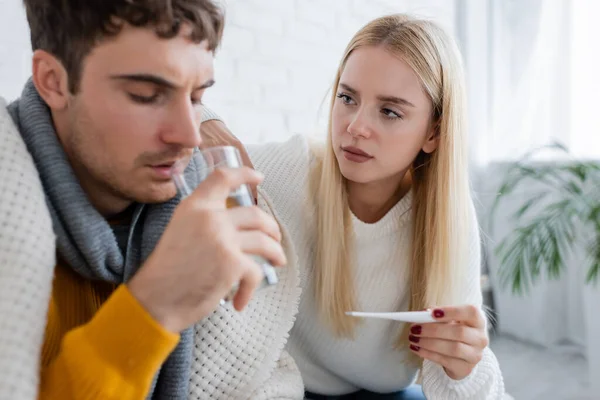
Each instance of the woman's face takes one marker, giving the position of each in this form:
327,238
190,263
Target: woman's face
381,118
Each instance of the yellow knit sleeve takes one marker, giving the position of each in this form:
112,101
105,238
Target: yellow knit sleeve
114,356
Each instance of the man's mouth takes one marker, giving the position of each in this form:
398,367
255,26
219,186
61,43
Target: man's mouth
163,169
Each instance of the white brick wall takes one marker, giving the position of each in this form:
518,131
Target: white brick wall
15,49
275,66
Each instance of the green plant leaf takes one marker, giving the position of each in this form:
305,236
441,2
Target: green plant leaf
593,272
525,207
540,245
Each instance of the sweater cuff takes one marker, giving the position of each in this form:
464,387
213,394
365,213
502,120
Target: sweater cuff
209,115
484,382
128,338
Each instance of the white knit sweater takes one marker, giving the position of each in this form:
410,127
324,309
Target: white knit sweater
241,355
333,366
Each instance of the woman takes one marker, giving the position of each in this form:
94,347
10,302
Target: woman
381,219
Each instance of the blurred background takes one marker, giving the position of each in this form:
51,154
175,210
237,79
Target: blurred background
532,75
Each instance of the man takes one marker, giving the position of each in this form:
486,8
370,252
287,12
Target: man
112,104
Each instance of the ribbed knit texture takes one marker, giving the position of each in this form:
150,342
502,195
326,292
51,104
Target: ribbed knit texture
74,302
99,343
382,256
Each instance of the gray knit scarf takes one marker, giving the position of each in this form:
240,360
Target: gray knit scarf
86,241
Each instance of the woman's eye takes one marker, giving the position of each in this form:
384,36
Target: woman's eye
390,114
345,98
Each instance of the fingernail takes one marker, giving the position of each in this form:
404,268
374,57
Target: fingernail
438,313
414,348
413,339
416,330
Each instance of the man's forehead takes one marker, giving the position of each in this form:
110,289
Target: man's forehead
140,50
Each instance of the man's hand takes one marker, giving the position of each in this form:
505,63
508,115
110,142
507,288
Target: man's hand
215,133
204,251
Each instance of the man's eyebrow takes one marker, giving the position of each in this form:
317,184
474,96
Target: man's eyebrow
146,78
157,80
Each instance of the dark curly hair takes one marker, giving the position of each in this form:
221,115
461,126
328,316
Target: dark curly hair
69,29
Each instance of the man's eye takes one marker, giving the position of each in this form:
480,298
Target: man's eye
144,99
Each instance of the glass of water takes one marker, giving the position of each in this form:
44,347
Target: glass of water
207,161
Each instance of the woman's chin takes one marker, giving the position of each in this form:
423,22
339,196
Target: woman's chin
354,172
354,176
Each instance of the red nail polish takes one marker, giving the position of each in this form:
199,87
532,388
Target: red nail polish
438,313
413,339
415,348
416,330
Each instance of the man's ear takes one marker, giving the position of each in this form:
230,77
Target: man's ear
51,80
433,139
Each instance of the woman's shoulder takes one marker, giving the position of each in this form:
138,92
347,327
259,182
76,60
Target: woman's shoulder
287,167
286,162
292,152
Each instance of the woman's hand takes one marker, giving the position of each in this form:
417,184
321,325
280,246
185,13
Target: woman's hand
456,342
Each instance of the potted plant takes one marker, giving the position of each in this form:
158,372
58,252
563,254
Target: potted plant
553,225
569,213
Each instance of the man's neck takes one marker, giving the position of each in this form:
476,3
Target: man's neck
370,202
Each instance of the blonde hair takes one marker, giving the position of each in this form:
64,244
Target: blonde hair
441,205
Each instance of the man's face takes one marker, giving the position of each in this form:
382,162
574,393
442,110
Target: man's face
136,113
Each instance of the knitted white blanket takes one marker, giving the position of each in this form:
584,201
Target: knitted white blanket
27,259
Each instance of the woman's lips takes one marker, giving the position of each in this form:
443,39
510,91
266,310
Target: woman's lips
355,154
